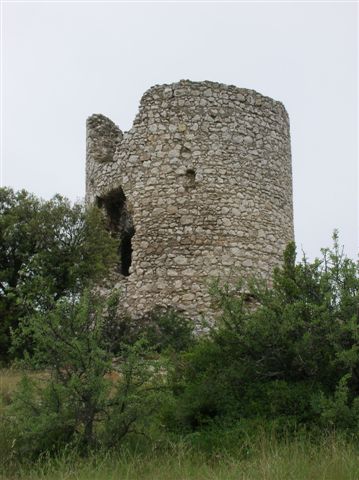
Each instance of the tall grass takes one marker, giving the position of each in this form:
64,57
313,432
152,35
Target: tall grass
214,455
333,458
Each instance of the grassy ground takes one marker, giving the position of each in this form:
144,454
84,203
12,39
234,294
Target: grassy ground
8,381
9,378
262,458
332,459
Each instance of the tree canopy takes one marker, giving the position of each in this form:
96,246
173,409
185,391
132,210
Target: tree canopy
48,250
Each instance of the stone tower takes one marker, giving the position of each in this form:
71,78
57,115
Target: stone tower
200,187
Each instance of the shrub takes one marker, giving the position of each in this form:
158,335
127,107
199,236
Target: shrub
291,353
169,330
87,397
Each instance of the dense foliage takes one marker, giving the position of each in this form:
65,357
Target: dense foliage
287,354
48,250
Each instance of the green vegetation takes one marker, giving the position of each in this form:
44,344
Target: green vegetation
290,356
270,391
48,250
78,403
264,459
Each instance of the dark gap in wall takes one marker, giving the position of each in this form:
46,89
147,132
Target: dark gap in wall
126,252
120,224
190,178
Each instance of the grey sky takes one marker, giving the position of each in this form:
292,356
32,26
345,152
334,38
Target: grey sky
64,61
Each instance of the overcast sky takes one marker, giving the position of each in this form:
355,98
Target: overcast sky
61,62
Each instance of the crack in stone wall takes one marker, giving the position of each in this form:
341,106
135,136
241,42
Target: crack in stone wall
206,173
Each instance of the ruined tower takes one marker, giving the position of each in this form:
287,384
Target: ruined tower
200,187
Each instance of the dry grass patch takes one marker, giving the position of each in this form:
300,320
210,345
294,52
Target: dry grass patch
10,378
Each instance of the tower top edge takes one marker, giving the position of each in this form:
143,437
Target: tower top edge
99,118
206,88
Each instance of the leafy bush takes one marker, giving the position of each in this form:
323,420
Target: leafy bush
165,330
291,352
168,330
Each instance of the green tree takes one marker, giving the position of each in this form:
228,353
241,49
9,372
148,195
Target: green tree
87,396
48,250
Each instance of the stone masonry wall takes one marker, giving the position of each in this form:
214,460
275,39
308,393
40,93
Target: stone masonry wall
200,187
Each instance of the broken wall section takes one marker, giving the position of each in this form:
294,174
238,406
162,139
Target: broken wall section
120,224
103,137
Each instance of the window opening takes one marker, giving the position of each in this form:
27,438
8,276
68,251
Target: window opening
120,225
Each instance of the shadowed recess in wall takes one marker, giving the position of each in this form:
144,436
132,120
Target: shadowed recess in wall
120,224
190,178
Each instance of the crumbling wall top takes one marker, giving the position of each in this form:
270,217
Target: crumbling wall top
103,136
